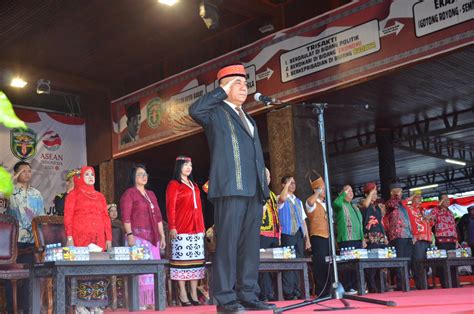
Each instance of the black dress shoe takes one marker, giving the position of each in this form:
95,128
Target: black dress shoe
257,305
187,303
193,302
230,308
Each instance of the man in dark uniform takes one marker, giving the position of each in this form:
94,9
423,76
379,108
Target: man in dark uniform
133,124
237,188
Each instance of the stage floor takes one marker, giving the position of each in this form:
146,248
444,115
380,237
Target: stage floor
435,301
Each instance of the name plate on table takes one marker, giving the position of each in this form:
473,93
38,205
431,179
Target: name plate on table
286,252
99,256
463,252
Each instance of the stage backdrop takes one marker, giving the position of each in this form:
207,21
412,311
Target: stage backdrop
348,44
53,144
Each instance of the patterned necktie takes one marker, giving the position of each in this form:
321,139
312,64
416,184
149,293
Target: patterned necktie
244,120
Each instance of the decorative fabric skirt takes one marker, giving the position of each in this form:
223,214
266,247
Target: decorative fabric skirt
89,291
187,257
146,283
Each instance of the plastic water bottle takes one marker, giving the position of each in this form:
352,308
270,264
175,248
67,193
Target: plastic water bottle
394,252
293,252
47,253
146,252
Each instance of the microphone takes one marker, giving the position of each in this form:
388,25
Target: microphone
266,100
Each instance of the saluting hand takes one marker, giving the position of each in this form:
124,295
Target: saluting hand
226,87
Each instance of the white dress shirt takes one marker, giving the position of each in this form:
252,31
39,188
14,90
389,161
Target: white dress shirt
251,128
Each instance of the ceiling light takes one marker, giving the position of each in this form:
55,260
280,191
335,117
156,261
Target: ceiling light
456,162
43,87
431,186
18,82
168,2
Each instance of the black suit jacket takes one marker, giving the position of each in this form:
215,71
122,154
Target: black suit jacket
237,165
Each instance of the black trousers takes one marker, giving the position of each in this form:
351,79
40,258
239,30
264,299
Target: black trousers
349,278
265,279
439,270
320,249
404,248
419,254
237,222
23,293
291,279
372,274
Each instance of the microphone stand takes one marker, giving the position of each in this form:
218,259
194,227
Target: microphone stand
337,290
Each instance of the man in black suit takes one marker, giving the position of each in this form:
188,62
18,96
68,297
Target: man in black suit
238,189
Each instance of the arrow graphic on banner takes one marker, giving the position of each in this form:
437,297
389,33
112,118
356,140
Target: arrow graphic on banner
265,74
395,28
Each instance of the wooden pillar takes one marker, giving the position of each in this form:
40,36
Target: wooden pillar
107,177
294,147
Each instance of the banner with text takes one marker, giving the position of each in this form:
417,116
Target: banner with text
358,40
53,144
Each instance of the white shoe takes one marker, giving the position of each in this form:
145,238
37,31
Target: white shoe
351,292
82,310
97,310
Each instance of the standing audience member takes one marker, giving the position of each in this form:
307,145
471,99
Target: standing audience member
374,232
86,222
319,233
60,199
186,225
349,231
445,229
113,212
466,228
237,188
118,237
294,232
25,204
143,225
269,238
422,235
399,228
471,228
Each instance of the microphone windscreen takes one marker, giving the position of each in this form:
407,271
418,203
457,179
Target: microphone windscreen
257,96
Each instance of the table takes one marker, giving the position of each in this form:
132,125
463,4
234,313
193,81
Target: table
359,265
60,270
277,266
449,266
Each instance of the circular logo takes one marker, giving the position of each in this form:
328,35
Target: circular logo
51,140
153,113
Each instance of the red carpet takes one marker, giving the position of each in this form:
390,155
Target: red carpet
436,301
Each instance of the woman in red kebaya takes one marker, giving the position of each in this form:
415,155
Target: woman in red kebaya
186,225
86,219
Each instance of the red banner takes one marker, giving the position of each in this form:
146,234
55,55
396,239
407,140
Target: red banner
358,40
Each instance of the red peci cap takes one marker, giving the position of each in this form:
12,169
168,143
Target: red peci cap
231,70
369,186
